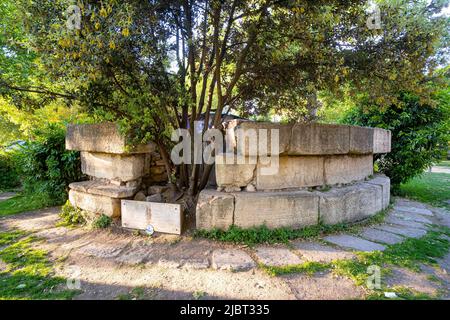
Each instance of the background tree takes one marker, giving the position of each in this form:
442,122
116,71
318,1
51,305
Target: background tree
158,65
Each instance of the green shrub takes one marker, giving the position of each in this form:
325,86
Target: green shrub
71,215
102,222
9,178
47,162
419,133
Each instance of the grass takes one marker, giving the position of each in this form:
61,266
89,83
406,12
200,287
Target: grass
430,187
443,163
23,203
309,268
264,235
28,273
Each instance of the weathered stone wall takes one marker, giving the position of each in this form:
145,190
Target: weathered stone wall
292,208
115,171
293,171
311,139
101,137
308,155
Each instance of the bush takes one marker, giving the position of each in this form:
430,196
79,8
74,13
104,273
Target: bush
9,178
46,163
419,134
71,215
102,222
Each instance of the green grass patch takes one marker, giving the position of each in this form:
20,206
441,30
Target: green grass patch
6,238
309,268
264,235
28,274
23,203
430,187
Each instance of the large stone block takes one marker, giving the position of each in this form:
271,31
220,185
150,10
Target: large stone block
292,172
234,170
103,189
102,137
276,209
163,217
113,166
352,203
95,203
361,140
248,137
346,169
214,210
319,139
381,141
385,184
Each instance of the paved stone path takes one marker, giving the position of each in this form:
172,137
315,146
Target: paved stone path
438,169
114,261
7,195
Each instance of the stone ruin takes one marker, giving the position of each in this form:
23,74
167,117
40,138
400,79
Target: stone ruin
115,173
325,175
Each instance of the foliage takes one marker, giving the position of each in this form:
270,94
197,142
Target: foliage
28,273
430,187
71,215
419,132
45,163
310,268
102,222
9,178
154,66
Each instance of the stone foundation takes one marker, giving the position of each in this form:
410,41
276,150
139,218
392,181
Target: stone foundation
115,171
337,157
292,208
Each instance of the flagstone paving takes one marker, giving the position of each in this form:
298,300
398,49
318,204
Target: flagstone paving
412,280
313,251
411,216
232,259
276,256
401,230
410,209
113,261
373,234
7,195
355,243
406,223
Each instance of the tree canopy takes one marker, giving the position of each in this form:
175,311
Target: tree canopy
158,65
